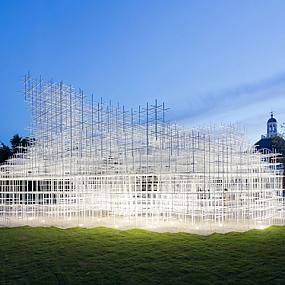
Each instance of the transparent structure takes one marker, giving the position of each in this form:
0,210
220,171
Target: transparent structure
89,163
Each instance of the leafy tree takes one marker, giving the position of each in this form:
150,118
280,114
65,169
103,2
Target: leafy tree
5,152
278,143
16,142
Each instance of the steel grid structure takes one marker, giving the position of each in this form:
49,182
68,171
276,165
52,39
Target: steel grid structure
91,163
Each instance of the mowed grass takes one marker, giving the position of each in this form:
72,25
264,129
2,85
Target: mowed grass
107,256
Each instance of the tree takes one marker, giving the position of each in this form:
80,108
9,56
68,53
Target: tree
5,152
278,144
16,142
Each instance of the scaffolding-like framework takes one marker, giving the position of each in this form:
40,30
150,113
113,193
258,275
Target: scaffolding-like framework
91,163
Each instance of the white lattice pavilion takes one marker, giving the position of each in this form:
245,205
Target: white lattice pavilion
90,163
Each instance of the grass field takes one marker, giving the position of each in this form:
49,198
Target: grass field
107,256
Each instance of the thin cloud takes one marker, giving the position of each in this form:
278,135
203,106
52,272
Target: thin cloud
234,98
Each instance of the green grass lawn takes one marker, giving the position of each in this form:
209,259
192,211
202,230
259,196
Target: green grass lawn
108,256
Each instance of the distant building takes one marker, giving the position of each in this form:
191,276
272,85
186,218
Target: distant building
265,143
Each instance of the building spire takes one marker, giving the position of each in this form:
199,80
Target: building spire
271,126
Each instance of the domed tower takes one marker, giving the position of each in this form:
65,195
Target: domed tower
271,127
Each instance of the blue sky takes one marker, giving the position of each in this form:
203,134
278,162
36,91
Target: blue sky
209,61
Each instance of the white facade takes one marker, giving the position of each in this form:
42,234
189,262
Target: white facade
92,163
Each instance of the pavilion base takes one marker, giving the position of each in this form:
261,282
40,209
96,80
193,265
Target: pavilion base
123,223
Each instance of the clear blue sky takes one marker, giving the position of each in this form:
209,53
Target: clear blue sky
210,61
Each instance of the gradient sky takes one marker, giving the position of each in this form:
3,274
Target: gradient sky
209,61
